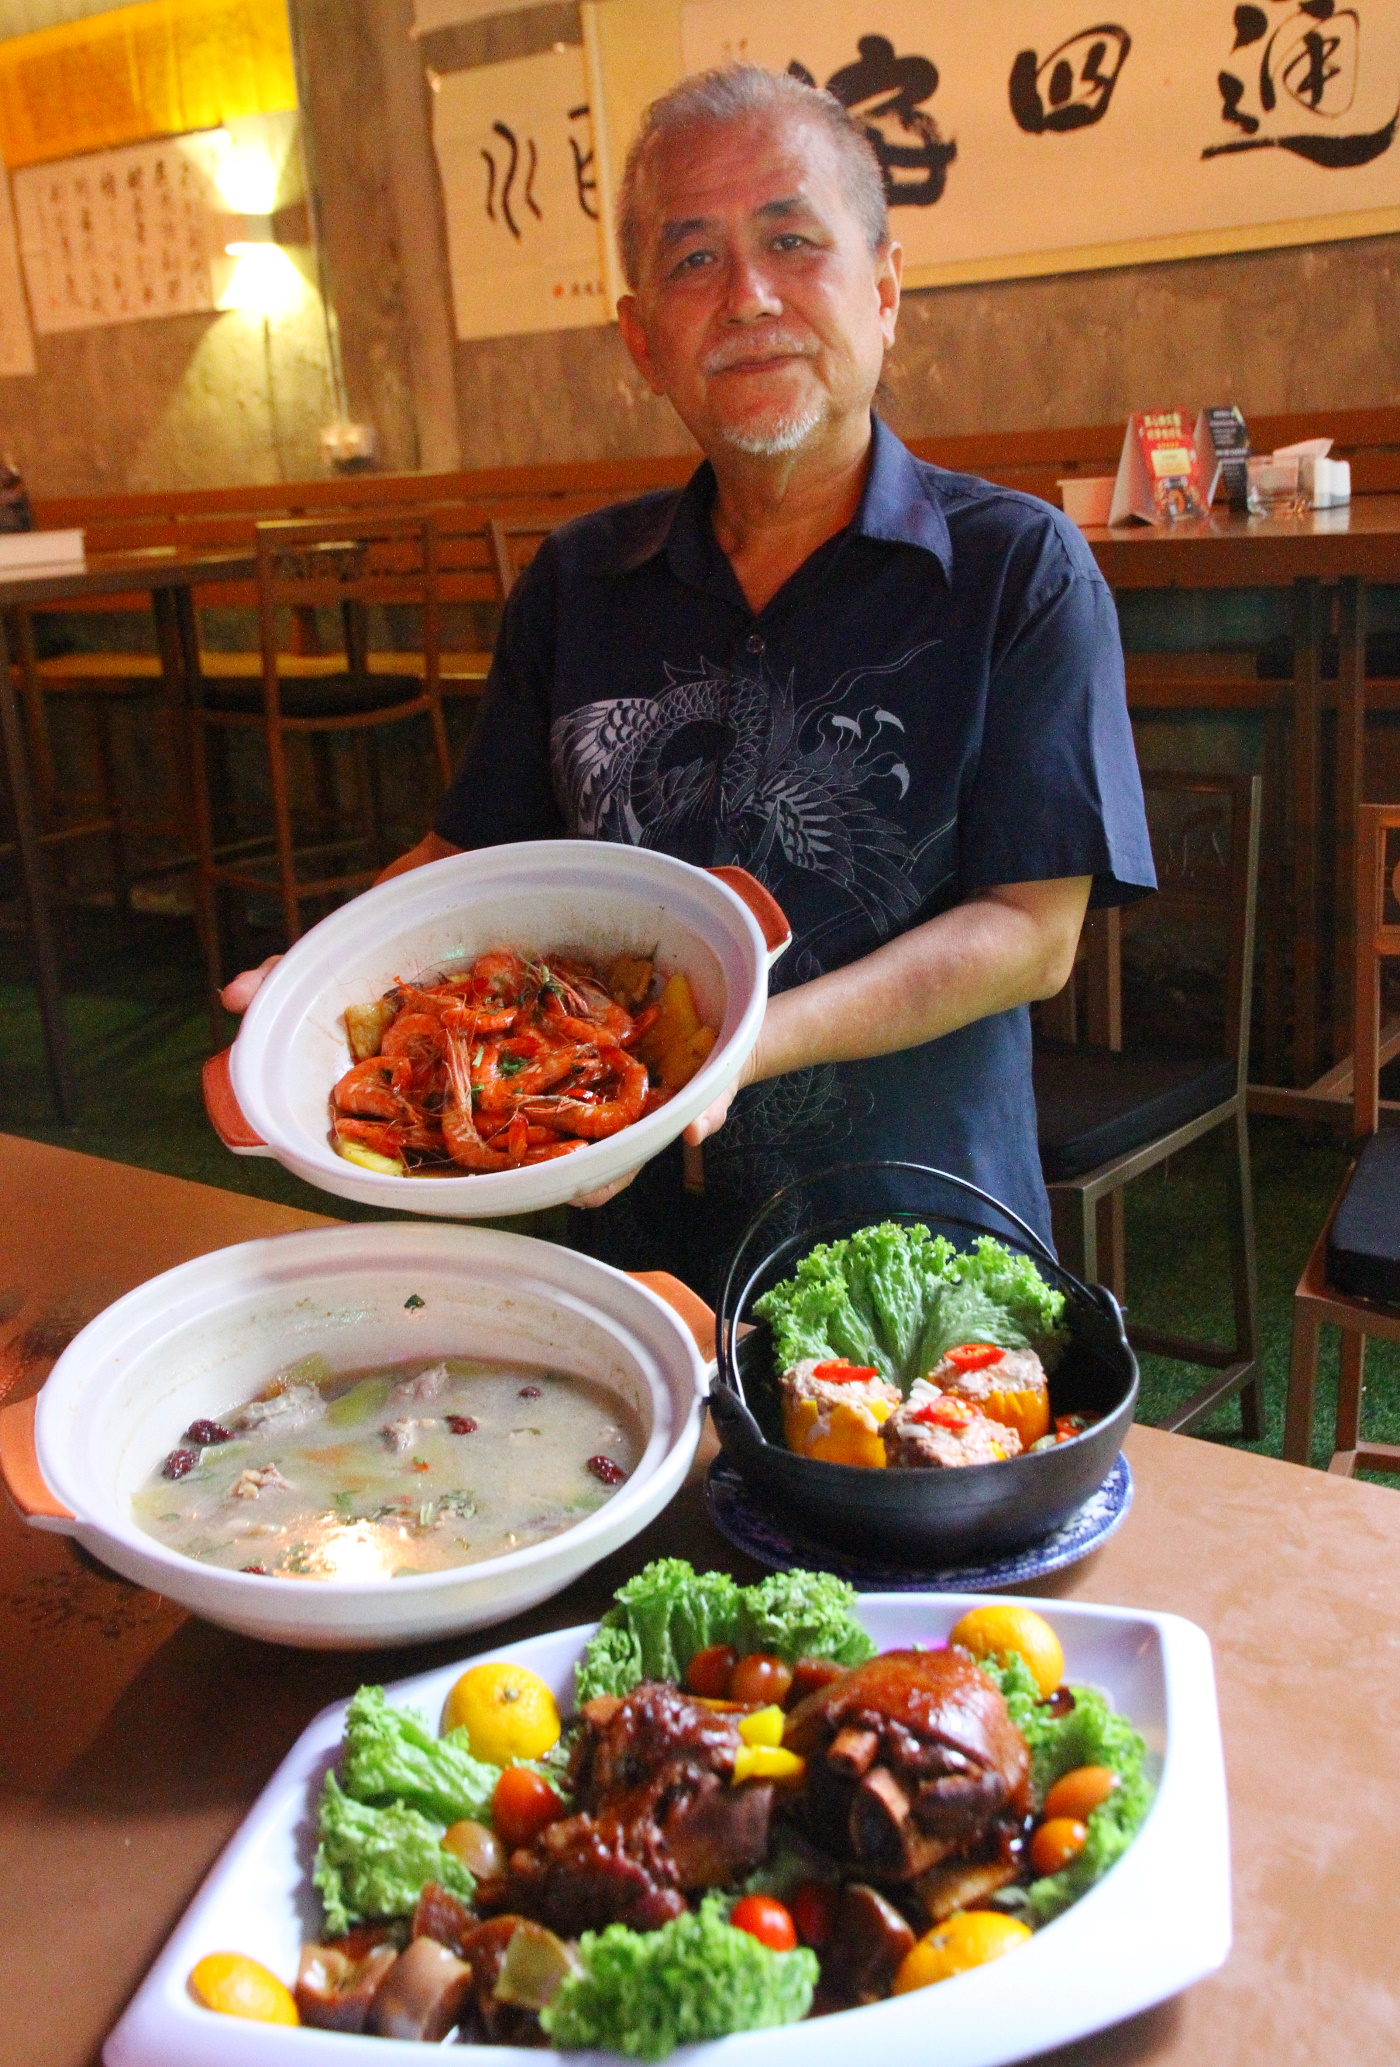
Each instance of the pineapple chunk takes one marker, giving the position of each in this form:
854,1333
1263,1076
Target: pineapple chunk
366,1026
368,1158
630,980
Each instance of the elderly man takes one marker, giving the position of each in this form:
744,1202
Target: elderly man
893,693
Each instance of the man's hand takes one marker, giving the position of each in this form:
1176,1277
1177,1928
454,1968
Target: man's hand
238,995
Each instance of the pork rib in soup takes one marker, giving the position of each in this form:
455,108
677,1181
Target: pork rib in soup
385,1473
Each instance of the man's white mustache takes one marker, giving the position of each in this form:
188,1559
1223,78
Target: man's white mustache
775,345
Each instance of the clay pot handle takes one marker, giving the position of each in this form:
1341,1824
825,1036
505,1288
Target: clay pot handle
19,1467
688,1307
772,919
225,1113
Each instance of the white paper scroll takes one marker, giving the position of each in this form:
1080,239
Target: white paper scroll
1034,126
16,338
119,235
515,147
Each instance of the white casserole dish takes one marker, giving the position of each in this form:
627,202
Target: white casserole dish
269,1094
1157,1922
210,1334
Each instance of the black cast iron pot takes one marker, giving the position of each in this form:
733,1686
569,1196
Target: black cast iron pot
913,1516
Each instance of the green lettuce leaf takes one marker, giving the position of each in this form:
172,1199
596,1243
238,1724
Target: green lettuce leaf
390,1755
376,1862
1093,1733
896,1297
644,1993
670,1611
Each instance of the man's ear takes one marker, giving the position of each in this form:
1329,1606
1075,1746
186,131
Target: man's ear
629,322
887,284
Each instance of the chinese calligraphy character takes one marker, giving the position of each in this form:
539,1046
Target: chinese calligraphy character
885,94
1312,61
1072,88
585,177
507,215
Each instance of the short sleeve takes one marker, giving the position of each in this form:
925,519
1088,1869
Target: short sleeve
501,790
1056,790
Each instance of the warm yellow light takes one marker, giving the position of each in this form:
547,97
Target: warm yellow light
264,280
246,175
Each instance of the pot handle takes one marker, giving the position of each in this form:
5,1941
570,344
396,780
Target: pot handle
19,1467
772,919
225,1113
688,1307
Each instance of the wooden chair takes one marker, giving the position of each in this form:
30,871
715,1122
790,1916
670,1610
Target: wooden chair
347,564
1108,1115
1352,1279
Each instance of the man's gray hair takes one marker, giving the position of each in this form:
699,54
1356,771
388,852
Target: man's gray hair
733,93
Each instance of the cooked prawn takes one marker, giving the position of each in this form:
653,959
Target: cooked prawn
594,1120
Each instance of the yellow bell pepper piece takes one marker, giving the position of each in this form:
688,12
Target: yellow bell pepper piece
764,1726
767,1762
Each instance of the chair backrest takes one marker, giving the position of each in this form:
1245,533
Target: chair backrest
1377,938
348,563
1205,843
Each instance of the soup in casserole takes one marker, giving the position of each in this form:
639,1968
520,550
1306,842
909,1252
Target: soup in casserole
386,1473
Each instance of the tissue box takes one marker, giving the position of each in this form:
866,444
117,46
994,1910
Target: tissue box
1325,482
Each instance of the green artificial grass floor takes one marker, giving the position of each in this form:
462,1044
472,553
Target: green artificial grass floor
140,1034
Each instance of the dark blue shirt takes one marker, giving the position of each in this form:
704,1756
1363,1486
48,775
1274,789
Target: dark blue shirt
931,705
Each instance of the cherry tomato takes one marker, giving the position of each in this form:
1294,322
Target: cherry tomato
1079,1793
766,1919
708,1672
1056,1843
842,1373
973,1356
813,1909
810,1673
522,1805
760,1681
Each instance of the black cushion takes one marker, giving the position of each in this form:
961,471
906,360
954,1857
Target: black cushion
1363,1249
1093,1104
317,696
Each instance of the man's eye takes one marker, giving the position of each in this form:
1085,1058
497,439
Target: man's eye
691,263
790,240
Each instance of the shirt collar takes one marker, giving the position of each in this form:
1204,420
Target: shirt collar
897,506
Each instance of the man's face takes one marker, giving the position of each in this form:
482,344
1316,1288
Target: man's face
760,310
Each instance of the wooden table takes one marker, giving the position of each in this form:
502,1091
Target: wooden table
168,574
1345,548
134,1739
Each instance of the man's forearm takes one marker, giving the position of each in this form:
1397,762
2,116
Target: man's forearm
1003,948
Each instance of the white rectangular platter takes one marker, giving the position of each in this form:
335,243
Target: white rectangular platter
1157,1922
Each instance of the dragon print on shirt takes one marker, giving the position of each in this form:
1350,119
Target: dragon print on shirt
726,767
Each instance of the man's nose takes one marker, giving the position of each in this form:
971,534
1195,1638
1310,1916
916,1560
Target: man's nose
750,294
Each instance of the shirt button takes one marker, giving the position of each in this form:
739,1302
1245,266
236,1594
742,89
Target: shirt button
754,643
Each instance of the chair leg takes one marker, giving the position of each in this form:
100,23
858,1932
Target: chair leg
371,798
282,826
1351,1381
1113,1245
1302,1385
111,806
1244,1271
1075,1224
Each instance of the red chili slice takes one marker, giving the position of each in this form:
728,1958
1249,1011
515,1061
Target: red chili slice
974,1356
944,1413
842,1373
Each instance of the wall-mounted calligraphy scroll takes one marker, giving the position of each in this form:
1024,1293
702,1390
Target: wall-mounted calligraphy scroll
121,235
515,146
1035,136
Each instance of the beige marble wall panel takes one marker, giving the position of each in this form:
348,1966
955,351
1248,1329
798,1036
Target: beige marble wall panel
1277,330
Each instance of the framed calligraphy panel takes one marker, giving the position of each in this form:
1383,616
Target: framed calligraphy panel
119,235
1038,136
515,148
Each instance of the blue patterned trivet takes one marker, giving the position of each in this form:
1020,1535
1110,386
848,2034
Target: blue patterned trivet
737,1515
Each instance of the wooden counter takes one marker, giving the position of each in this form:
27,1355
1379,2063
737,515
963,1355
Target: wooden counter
134,1739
